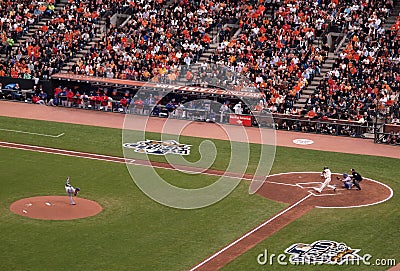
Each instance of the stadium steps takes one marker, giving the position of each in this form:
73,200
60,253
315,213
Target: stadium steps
327,66
324,69
310,89
167,4
33,28
100,33
392,19
207,53
213,46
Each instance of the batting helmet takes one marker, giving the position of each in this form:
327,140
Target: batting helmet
325,167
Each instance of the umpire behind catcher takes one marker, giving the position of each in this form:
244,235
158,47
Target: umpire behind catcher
357,178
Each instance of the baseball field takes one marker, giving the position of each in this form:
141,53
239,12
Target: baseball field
133,232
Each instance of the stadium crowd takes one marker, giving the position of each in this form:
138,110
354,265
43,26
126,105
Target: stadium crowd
157,41
274,52
278,56
54,43
17,16
365,78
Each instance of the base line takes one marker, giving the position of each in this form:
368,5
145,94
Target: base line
107,158
250,232
324,195
288,184
30,133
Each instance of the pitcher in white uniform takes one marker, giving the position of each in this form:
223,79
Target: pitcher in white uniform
71,191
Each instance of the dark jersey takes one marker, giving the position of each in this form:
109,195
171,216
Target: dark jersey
357,176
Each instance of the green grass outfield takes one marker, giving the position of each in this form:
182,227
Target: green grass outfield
135,233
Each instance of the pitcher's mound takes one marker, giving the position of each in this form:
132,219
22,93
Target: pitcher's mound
55,208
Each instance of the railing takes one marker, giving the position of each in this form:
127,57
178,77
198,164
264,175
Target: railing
207,114
280,122
327,127
340,44
324,33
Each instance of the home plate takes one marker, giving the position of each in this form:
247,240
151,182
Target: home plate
48,203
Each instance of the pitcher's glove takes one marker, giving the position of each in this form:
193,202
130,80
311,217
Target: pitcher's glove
77,190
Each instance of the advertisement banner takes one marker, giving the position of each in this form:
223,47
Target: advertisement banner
240,120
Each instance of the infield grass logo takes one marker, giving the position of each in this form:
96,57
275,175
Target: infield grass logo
158,107
322,252
159,147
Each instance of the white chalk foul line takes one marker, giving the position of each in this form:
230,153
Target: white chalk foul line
101,157
324,195
288,184
31,133
195,172
308,183
117,159
64,154
107,158
122,160
250,232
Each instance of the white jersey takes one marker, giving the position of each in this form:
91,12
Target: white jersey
326,173
69,189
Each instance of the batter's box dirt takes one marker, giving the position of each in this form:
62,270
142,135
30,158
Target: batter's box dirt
308,185
372,192
324,194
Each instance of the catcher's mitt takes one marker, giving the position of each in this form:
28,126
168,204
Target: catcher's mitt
338,178
77,190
